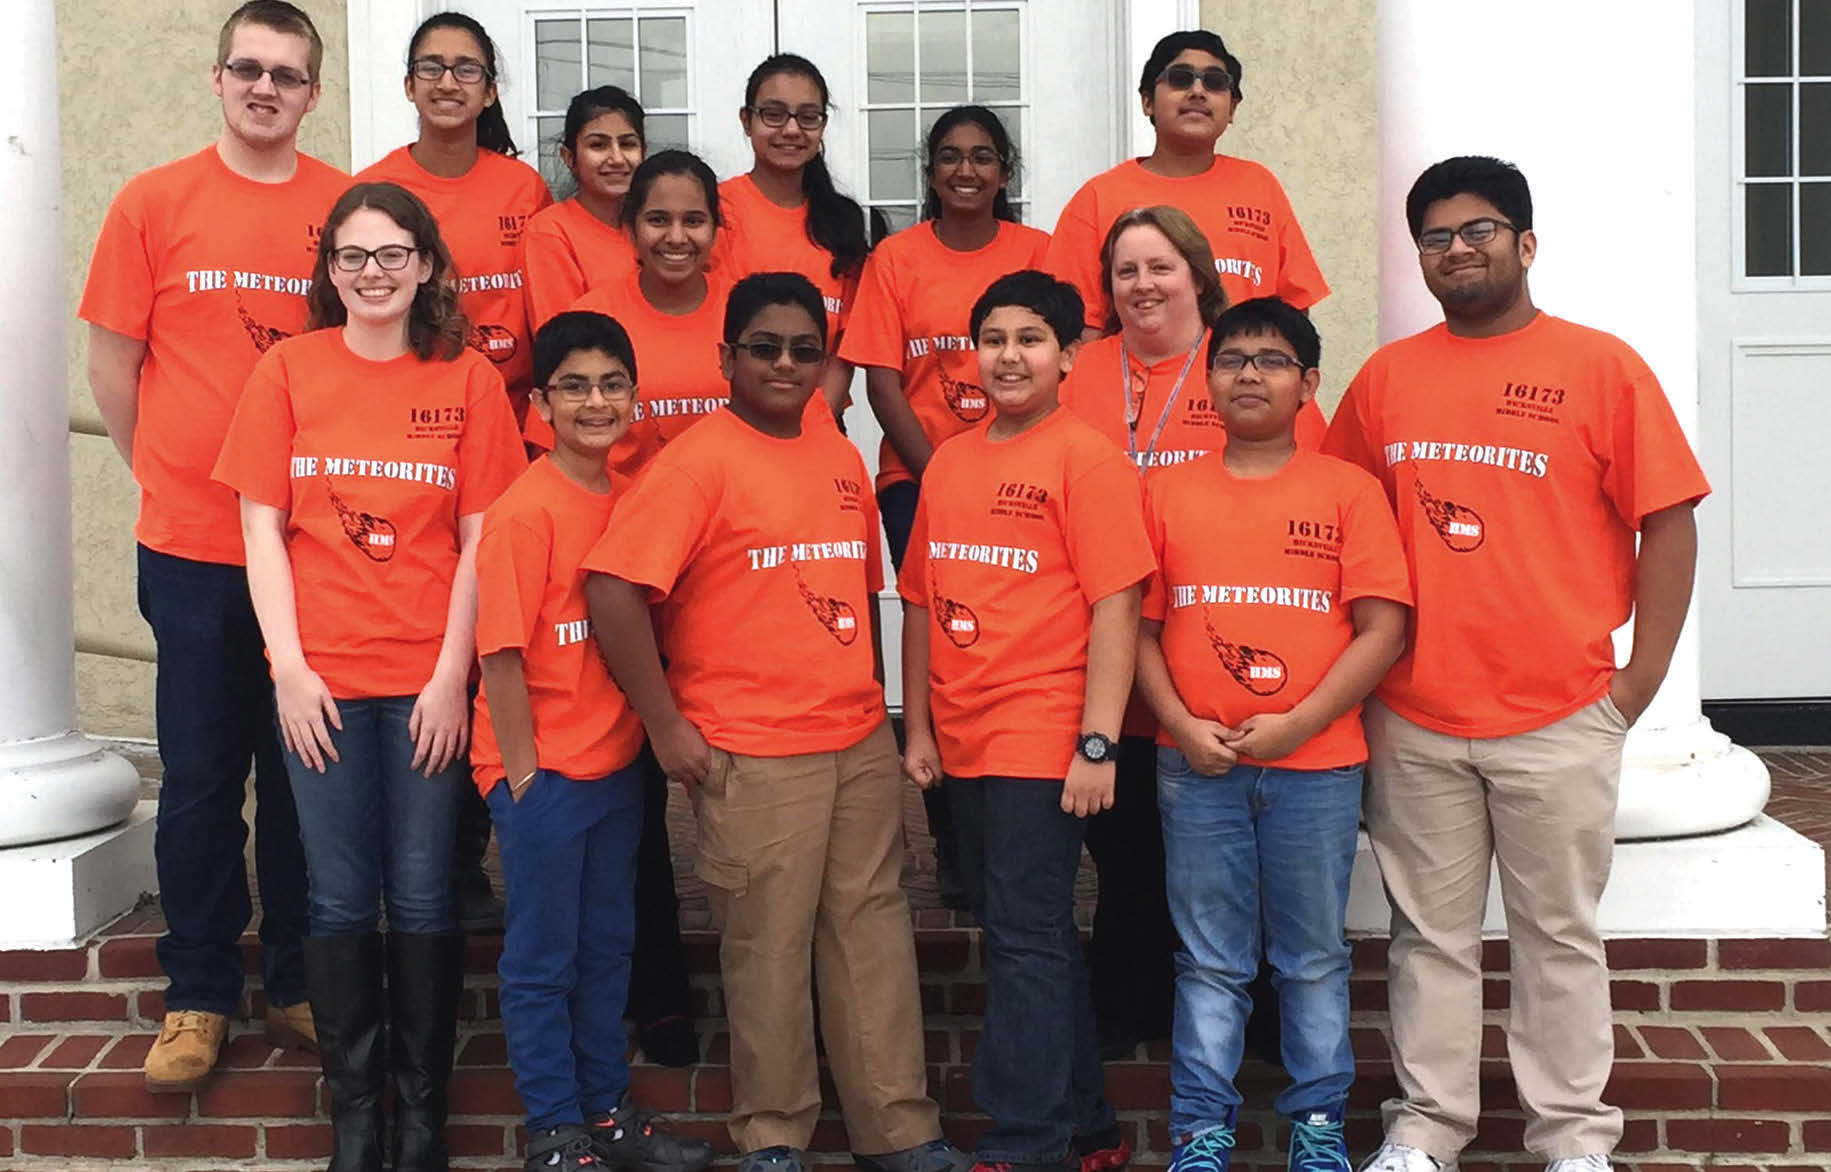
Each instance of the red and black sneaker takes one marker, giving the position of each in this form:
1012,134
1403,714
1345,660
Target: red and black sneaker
1103,1151
563,1149
628,1139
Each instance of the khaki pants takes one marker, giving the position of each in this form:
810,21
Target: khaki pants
1542,804
803,857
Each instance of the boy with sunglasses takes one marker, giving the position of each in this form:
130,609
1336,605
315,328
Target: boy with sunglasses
756,541
1190,89
201,265
1279,602
554,747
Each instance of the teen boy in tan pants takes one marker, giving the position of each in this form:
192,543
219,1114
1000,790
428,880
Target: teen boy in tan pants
1522,453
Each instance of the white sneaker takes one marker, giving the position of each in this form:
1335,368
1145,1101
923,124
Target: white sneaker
1398,1158
1580,1164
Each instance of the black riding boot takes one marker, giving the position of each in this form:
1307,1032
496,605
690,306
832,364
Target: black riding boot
343,979
425,974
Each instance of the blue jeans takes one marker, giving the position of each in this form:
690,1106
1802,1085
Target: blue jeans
374,826
213,709
1258,853
1037,1069
569,875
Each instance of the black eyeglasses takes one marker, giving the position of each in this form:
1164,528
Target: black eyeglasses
432,69
1214,79
776,116
248,72
1475,233
768,350
978,157
615,389
1267,361
392,257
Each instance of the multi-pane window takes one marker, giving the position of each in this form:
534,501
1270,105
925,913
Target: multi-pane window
920,59
1785,168
643,50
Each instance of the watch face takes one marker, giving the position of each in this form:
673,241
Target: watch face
1094,747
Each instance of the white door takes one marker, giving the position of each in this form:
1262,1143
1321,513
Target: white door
1764,301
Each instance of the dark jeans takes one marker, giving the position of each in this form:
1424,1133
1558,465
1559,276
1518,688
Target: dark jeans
896,507
374,826
658,982
1037,1069
569,873
214,715
1132,957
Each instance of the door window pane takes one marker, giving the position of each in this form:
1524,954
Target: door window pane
556,62
1768,230
943,56
996,44
1815,128
610,54
889,57
1768,130
1815,229
1815,38
559,180
894,166
666,131
664,61
1768,38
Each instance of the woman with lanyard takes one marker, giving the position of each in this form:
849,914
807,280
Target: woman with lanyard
785,214
909,332
579,243
1145,388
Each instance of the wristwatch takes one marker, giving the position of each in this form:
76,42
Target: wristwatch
1096,747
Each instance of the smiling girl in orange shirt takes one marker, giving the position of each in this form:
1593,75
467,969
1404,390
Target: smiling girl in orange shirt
579,243
365,452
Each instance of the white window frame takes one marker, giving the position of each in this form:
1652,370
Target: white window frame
1739,81
584,13
916,9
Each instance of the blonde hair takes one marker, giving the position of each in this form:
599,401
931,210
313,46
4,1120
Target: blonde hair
1180,230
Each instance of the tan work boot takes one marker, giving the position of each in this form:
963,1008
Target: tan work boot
185,1054
290,1027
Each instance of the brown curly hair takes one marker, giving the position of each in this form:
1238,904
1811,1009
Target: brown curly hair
436,327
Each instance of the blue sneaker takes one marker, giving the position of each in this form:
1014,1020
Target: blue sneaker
1317,1143
1205,1151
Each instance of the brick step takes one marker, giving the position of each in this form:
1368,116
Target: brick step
82,1097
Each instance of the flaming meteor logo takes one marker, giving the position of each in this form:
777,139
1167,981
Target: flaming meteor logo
836,615
1459,526
373,535
964,399
1259,671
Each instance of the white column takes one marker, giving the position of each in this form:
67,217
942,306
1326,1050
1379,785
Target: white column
1594,102
54,782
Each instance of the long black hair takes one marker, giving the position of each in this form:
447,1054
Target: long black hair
669,162
492,125
994,128
835,221
586,107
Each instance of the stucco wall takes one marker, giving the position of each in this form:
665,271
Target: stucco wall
1311,114
135,92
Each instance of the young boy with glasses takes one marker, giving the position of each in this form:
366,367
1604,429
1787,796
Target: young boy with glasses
1279,602
202,265
756,541
1020,619
1190,90
554,748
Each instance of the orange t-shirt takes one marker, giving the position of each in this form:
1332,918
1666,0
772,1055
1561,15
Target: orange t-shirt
914,302
531,598
209,269
1253,587
481,215
1013,543
373,462
1259,248
565,252
1520,468
1096,392
762,554
760,237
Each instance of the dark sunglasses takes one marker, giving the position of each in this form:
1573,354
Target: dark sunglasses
768,350
1214,79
